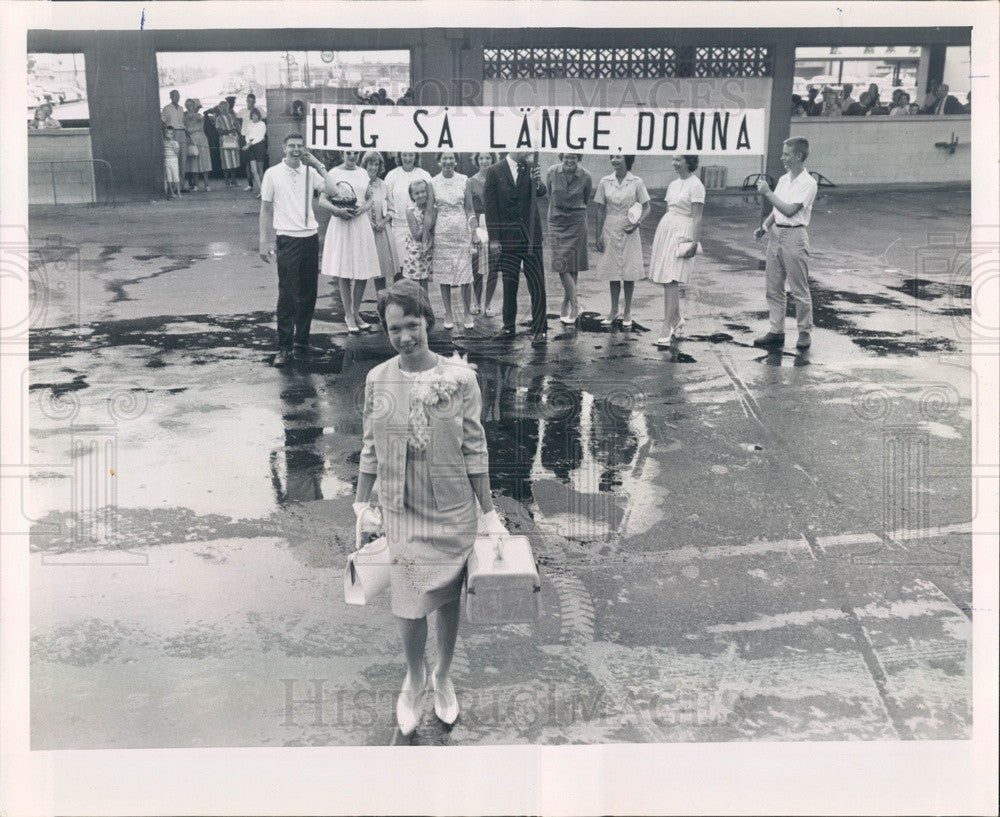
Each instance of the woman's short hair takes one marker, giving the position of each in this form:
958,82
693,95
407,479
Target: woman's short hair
903,96
799,145
410,297
415,181
255,111
399,156
629,160
443,152
691,160
475,158
373,154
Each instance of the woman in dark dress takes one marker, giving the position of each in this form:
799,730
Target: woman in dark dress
483,262
570,191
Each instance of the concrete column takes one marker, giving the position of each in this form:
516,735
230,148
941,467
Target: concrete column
123,96
447,70
935,66
780,115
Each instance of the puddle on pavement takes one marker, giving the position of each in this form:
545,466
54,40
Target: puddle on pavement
220,335
830,312
574,457
925,290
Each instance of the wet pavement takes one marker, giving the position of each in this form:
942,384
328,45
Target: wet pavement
734,545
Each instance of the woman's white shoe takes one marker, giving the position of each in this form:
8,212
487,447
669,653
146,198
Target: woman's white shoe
445,700
409,707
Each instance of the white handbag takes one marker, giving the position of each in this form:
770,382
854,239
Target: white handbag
502,585
367,571
684,247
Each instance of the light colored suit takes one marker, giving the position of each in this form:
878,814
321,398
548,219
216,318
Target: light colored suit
457,447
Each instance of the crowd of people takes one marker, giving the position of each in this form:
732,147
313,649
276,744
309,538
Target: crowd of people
424,444
381,96
43,119
831,101
466,234
240,136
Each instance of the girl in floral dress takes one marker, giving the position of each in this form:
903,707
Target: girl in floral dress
419,219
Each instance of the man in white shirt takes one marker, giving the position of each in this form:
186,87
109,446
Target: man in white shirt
287,223
788,244
172,116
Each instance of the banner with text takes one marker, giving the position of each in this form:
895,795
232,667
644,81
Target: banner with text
402,128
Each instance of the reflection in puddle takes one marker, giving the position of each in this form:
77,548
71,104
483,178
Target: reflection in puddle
302,469
572,457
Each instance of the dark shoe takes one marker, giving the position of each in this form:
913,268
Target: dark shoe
309,351
539,339
804,341
507,332
283,358
770,339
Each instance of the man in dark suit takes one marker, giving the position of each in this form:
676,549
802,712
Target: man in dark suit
515,230
944,103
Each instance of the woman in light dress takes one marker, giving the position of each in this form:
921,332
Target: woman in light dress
675,244
455,238
397,183
431,490
381,218
618,235
349,252
200,165
228,128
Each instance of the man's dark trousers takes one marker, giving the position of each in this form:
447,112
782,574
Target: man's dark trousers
298,274
511,260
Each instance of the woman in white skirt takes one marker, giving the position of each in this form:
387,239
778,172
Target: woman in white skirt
619,194
455,239
675,244
349,252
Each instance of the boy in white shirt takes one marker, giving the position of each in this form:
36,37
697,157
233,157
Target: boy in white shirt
788,245
287,223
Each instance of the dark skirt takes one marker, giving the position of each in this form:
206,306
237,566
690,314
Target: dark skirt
257,152
568,239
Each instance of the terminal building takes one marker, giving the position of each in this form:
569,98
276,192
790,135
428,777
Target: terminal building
116,151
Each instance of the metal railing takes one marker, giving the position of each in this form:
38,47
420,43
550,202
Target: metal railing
94,163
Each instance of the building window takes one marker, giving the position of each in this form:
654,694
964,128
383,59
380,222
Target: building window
58,81
625,63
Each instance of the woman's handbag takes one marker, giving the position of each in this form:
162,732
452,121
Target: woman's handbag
367,571
684,247
192,150
229,142
502,585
